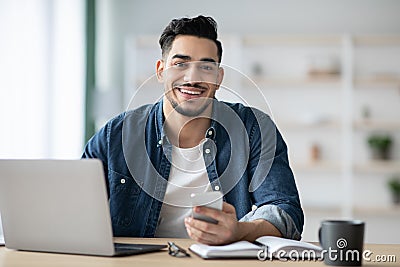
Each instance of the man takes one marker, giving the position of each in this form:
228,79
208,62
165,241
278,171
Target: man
155,156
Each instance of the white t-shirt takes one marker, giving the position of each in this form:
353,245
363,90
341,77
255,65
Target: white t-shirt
188,175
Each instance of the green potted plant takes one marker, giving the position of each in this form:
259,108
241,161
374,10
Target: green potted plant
380,146
394,186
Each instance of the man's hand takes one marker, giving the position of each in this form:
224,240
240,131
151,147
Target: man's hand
226,231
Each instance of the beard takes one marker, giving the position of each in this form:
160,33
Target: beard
188,112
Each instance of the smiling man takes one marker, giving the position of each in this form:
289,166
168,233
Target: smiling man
157,155
191,75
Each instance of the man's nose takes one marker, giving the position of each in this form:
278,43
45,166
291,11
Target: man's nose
192,74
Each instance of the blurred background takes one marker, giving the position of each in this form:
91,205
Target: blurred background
329,71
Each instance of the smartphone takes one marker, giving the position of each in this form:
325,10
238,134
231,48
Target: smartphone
208,199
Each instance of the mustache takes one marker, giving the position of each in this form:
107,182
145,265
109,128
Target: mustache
193,85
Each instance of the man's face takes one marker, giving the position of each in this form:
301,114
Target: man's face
191,74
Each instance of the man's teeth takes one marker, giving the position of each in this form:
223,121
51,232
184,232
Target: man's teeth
190,92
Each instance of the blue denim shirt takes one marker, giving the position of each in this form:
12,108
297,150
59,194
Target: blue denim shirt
245,156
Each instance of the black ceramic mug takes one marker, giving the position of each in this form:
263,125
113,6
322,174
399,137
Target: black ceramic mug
342,242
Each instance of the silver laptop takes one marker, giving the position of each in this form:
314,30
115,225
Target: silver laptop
59,206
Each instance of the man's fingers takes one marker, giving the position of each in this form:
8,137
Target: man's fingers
228,208
220,216
198,234
208,233
202,226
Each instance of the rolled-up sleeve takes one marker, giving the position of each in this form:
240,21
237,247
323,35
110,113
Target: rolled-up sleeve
277,217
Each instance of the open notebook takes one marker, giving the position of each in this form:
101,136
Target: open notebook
264,247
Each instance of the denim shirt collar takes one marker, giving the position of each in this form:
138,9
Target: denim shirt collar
159,121
210,133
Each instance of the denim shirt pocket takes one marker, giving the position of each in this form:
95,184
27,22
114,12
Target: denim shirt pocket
124,193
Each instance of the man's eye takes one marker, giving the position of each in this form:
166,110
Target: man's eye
208,66
180,64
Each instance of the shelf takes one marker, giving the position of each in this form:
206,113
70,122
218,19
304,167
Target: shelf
318,209
323,80
378,166
370,125
292,125
378,81
319,165
377,40
251,40
373,166
335,211
377,211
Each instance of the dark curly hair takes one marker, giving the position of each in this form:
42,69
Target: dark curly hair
200,26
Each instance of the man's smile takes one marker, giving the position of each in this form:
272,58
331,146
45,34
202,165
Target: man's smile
186,91
191,91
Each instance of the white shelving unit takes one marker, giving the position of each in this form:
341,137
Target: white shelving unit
316,88
375,166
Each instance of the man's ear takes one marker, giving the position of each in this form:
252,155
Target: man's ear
220,77
160,70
